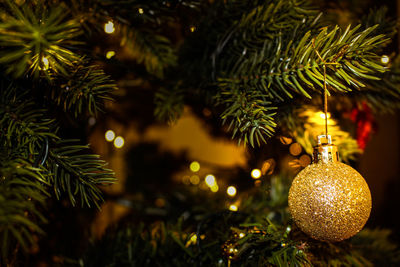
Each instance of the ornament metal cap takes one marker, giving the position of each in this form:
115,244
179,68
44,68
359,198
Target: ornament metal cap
325,151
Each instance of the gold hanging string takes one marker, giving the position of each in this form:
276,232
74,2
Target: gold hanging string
325,89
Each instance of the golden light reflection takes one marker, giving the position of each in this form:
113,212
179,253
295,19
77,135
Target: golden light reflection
295,149
322,115
140,10
385,59
233,207
194,238
110,54
192,28
231,191
256,173
110,135
214,188
195,179
305,160
286,140
109,27
45,61
194,166
119,142
268,167
210,180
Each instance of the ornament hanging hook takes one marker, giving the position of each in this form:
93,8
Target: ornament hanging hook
325,87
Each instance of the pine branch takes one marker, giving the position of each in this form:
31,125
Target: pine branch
382,96
23,126
84,89
298,67
386,24
35,39
266,22
153,50
27,178
20,197
249,116
77,174
169,104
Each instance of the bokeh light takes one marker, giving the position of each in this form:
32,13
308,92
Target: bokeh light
286,140
214,188
256,173
385,59
194,166
231,191
119,142
45,61
295,149
194,238
322,115
109,27
110,135
210,180
233,207
195,179
110,54
305,160
92,121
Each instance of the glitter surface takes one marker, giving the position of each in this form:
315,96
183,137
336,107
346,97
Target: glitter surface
330,201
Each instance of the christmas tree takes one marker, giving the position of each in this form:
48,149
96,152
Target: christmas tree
253,71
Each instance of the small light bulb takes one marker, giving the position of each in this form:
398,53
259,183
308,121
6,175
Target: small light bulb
110,135
194,238
192,28
322,115
194,166
140,10
110,54
210,180
119,142
233,207
214,188
241,235
109,27
45,61
256,173
231,191
385,59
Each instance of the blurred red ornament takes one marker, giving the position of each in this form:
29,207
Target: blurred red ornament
365,122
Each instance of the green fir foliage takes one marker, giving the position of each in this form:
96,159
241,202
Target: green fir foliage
255,63
39,51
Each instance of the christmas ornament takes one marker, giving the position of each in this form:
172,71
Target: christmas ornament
329,200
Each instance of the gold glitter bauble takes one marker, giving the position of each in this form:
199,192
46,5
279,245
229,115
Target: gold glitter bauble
330,201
